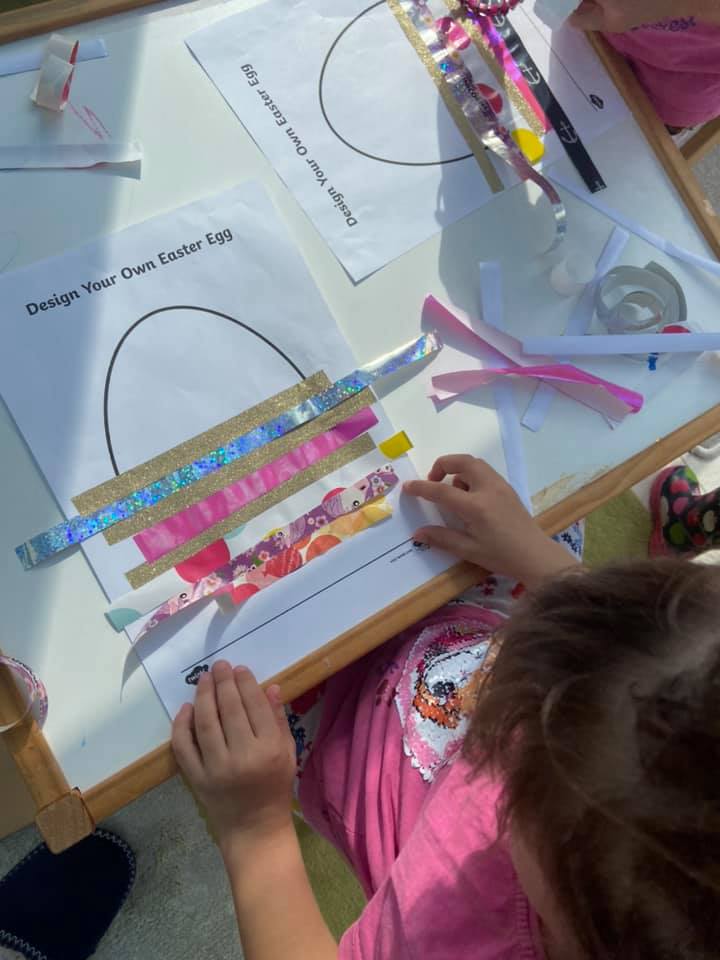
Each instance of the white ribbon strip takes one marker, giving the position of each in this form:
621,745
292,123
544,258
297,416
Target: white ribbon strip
620,343
23,61
52,89
491,301
38,156
579,323
667,246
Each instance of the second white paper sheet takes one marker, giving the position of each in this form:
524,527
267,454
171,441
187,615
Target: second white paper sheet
340,103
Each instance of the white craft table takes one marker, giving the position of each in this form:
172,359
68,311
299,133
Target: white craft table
194,146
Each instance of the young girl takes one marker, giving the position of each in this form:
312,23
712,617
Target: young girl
674,48
543,786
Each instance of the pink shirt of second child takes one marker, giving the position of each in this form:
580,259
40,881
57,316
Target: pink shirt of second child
678,63
386,785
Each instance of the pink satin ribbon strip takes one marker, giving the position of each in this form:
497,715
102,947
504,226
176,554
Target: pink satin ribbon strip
156,541
609,399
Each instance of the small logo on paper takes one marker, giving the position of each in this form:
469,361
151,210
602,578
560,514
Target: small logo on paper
196,673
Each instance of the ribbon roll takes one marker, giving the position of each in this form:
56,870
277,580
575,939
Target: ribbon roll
362,493
637,299
31,690
476,108
81,528
52,89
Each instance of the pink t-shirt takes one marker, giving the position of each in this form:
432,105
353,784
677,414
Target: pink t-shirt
678,64
385,785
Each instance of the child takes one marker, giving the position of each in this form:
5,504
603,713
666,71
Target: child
543,786
674,48
684,519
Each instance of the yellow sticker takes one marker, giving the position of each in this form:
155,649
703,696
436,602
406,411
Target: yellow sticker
396,446
531,145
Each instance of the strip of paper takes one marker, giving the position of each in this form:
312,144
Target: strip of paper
132,606
314,545
569,137
235,471
80,528
341,457
31,58
579,323
610,399
156,541
52,88
32,689
396,446
198,446
613,344
491,301
667,246
475,145
46,156
496,55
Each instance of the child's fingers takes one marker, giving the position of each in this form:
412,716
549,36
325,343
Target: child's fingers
452,463
184,746
278,707
459,544
443,494
233,717
259,712
588,16
208,731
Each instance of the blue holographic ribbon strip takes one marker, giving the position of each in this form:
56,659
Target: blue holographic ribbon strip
80,528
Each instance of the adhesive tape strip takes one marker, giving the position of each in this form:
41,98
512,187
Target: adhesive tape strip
30,689
52,89
633,299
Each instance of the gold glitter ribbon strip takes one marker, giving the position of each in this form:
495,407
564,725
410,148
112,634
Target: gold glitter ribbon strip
458,13
139,576
240,468
145,473
478,150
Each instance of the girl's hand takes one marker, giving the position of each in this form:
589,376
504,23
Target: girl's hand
499,534
618,16
237,752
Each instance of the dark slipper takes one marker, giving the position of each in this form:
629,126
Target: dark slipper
673,532
58,906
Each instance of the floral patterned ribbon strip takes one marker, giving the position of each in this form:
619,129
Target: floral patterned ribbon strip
154,542
313,545
374,485
80,528
420,26
32,691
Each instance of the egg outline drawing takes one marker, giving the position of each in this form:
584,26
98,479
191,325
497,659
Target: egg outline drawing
162,310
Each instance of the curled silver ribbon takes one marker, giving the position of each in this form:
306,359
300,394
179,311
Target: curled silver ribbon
477,110
639,299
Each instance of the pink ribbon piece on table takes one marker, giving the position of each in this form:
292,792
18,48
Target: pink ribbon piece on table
609,399
162,537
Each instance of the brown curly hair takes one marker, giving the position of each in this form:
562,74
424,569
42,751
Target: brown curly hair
602,718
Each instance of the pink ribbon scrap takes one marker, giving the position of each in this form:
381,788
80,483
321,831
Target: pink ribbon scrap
609,399
166,535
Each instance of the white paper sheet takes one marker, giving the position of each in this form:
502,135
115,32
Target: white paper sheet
29,58
355,126
134,343
622,344
45,156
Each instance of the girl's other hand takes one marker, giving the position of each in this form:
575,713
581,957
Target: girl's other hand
236,750
499,534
